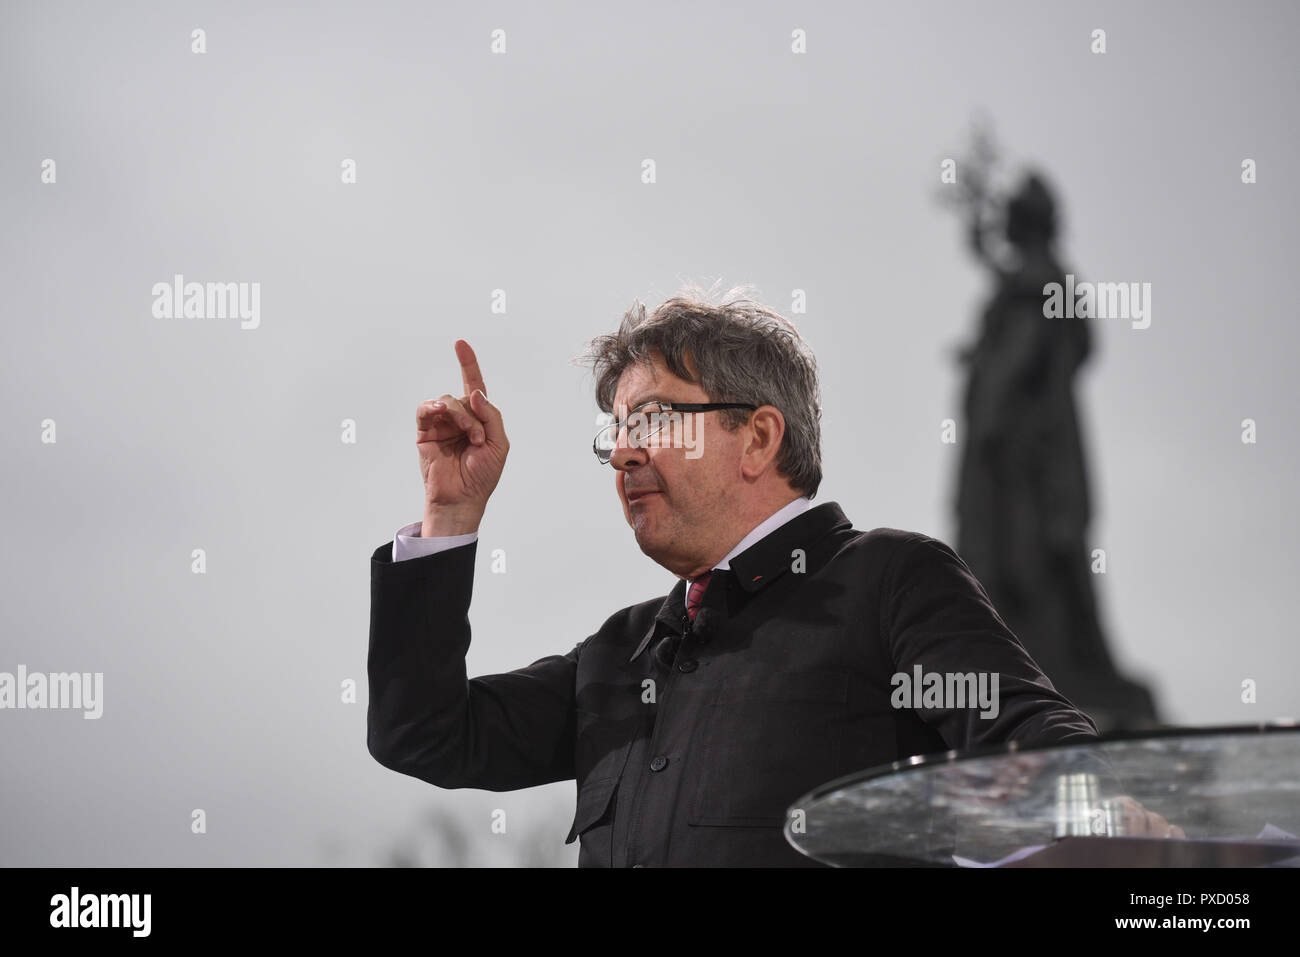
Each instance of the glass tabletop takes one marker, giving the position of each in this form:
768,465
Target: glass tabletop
1234,792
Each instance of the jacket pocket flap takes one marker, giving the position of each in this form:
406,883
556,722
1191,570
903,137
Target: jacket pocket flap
593,801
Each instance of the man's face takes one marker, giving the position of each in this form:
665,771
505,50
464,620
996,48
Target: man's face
684,516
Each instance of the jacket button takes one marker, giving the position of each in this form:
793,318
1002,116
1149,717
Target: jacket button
658,763
690,664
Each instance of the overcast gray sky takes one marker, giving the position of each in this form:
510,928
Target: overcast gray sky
521,171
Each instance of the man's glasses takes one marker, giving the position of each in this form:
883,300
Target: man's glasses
650,418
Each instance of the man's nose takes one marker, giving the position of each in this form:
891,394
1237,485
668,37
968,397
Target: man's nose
625,454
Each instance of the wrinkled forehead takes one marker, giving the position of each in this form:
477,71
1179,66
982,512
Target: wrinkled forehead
647,379
640,381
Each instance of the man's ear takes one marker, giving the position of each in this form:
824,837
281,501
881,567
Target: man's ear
766,430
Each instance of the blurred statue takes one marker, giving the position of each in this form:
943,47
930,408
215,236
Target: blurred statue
1023,503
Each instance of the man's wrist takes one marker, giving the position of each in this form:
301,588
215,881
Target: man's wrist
440,523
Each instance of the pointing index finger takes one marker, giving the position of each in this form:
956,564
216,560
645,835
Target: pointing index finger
469,370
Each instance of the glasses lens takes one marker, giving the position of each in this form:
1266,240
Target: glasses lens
643,422
605,441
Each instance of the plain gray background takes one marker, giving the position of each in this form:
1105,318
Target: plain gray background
522,172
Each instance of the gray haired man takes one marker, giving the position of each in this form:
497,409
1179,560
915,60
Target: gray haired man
692,720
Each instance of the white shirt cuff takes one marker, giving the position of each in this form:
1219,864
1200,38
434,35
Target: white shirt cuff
407,542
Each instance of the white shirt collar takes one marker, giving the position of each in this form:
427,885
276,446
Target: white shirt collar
766,527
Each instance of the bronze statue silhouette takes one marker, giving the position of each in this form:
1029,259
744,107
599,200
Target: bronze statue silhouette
1023,503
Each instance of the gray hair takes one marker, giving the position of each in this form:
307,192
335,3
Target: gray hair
743,351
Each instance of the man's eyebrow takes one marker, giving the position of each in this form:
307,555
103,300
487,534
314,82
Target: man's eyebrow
653,397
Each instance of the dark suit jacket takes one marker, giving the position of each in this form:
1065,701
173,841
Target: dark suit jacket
688,744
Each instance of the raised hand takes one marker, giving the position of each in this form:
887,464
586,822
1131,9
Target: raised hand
462,445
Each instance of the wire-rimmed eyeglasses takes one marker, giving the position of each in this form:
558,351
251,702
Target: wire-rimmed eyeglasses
647,419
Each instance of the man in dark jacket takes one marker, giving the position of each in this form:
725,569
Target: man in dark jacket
793,649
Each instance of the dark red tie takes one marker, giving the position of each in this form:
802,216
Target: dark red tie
696,594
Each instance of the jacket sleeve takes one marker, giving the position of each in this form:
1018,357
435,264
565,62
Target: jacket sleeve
939,617
425,718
